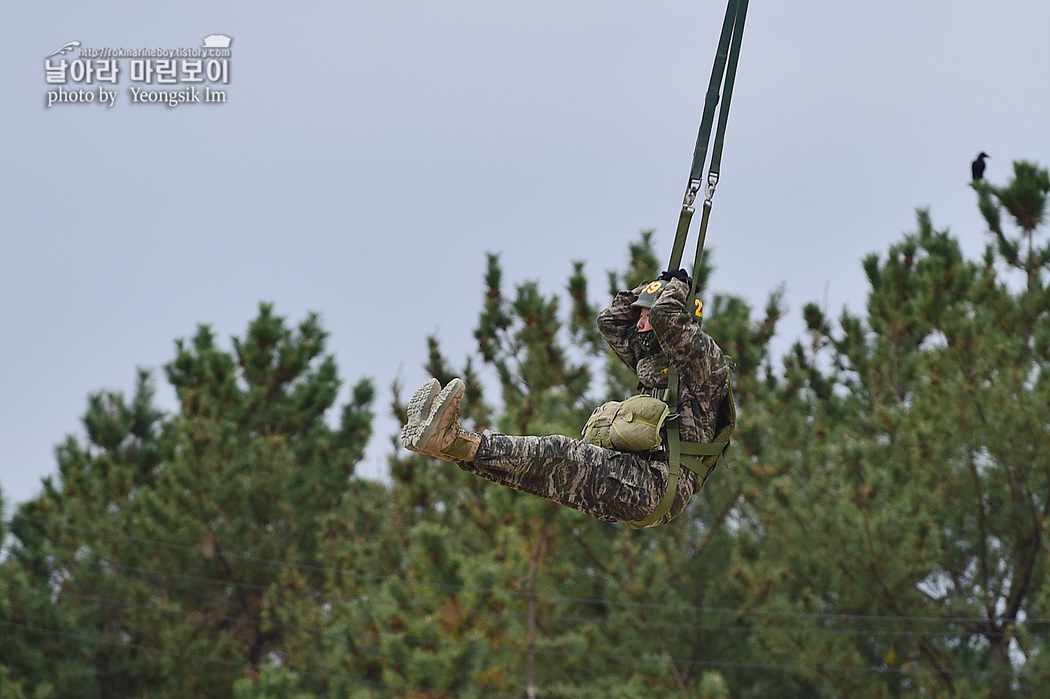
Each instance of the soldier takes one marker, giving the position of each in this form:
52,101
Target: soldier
650,329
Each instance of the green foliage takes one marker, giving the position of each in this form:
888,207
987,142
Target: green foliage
583,594
913,460
1024,199
879,532
152,564
272,683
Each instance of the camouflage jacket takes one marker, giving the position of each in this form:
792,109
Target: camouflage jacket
702,368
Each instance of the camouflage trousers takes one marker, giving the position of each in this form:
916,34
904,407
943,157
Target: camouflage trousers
610,485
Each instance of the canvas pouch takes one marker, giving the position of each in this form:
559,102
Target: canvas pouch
629,425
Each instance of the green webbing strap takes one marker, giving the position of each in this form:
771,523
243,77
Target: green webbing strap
697,466
684,220
674,446
689,454
734,15
728,52
716,447
736,28
727,89
703,449
723,74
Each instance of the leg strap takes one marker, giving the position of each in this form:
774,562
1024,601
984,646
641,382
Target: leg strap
674,470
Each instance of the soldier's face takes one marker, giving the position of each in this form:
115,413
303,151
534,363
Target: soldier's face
643,321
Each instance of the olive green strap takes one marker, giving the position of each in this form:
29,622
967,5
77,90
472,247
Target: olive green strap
701,468
704,449
674,456
728,45
674,470
713,170
721,76
684,454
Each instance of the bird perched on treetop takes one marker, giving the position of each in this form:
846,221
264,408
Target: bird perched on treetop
977,166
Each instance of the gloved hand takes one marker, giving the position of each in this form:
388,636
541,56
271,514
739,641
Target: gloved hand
680,274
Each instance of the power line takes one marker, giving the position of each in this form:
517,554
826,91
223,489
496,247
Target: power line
724,664
374,637
829,616
576,620
98,640
622,658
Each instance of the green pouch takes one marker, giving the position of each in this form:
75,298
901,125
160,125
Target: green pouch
630,425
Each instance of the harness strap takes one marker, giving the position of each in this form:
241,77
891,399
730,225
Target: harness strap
736,29
723,74
695,456
728,53
673,455
702,449
727,88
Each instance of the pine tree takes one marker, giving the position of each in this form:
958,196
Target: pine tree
879,530
166,542
547,600
900,504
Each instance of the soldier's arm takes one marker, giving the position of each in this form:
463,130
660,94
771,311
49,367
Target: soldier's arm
678,330
617,325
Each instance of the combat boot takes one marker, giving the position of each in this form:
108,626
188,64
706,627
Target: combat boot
418,410
439,434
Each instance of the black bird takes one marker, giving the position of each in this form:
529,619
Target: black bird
977,166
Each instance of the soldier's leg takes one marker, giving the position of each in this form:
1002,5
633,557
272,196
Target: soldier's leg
433,423
610,485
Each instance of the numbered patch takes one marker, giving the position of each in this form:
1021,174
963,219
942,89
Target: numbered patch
699,308
654,287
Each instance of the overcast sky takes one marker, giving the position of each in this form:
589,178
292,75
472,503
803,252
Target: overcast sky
370,153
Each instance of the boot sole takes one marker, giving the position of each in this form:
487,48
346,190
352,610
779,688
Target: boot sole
429,427
419,408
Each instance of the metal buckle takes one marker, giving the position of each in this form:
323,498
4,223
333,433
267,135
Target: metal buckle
712,182
690,194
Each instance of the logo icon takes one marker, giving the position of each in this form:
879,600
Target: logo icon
217,41
66,48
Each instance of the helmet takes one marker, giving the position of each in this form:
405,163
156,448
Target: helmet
647,298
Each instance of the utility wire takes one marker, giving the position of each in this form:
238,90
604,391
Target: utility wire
375,637
98,640
621,658
371,606
547,598
576,620
553,653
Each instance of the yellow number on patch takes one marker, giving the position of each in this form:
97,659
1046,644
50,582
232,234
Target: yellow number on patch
654,287
699,308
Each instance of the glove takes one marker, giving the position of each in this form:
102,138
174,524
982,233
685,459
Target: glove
681,275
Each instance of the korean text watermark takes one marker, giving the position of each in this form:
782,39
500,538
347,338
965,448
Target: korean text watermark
172,77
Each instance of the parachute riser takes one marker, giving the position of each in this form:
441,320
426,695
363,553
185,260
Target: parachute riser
686,453
723,75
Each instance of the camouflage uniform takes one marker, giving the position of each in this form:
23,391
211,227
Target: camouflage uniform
702,368
611,485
